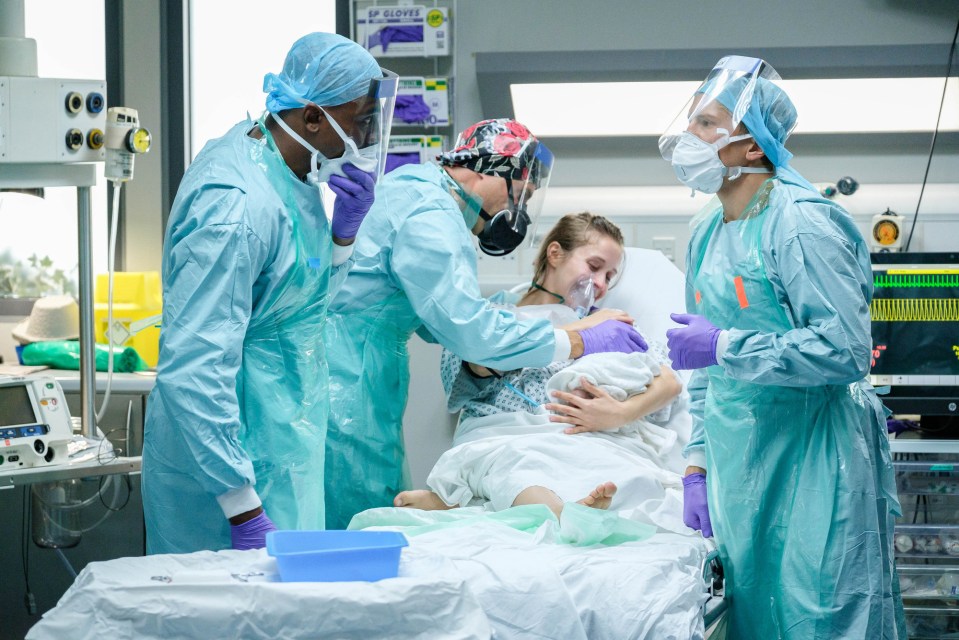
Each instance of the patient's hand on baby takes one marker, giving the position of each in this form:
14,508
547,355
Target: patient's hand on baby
588,408
602,315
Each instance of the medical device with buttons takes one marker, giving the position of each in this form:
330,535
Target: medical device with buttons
35,426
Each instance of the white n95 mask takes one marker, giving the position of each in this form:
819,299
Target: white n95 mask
321,167
697,164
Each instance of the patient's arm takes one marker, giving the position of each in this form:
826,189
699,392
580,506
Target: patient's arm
598,317
601,412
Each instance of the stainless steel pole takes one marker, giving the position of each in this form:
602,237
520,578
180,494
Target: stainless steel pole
88,369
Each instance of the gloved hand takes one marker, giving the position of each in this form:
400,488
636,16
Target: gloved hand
612,335
695,507
693,346
354,197
252,533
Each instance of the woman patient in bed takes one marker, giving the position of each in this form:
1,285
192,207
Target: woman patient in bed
588,430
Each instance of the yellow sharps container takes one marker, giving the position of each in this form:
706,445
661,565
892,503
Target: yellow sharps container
137,304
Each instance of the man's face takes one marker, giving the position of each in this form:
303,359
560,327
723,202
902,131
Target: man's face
704,123
495,195
356,118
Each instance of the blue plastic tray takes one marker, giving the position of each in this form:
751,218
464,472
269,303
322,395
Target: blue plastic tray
336,556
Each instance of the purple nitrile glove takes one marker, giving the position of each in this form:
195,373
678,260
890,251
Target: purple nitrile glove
693,346
695,507
898,426
612,335
252,533
354,197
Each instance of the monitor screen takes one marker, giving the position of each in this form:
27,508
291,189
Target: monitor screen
915,319
15,406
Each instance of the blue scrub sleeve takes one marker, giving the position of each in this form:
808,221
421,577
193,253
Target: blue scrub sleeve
338,272
208,299
436,269
425,335
821,282
695,449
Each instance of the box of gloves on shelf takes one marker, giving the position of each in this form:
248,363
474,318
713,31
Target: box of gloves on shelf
405,30
422,102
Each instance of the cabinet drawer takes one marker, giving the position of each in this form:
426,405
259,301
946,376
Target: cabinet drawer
927,581
931,622
928,509
927,478
927,541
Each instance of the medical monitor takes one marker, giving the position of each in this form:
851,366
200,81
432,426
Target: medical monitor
915,331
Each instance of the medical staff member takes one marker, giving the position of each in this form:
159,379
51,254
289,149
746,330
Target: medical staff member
788,438
236,421
415,270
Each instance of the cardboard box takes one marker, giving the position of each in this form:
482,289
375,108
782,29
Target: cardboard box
433,93
404,30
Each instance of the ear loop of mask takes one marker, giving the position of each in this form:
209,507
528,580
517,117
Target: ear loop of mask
314,152
734,172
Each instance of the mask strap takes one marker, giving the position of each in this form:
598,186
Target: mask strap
293,134
347,140
734,172
314,152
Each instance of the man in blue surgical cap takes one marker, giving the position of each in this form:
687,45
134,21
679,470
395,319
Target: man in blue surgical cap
236,423
789,464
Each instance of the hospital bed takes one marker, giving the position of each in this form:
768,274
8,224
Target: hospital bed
479,580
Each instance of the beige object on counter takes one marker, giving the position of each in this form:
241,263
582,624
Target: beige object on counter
52,318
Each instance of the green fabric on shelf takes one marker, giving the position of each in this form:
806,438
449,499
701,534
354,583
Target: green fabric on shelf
65,354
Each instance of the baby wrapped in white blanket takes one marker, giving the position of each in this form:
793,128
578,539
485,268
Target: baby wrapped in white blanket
498,455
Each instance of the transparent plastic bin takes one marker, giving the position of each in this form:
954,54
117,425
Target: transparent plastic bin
336,556
932,622
928,509
927,541
928,477
929,581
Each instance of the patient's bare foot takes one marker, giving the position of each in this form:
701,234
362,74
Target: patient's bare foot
600,497
421,499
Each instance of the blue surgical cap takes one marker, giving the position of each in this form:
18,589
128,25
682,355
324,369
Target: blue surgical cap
770,118
323,68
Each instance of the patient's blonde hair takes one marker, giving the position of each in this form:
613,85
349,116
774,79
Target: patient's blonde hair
571,232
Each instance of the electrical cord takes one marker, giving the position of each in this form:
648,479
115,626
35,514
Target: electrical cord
935,133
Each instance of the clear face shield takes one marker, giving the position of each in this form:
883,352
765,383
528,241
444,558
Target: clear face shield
526,191
709,122
369,131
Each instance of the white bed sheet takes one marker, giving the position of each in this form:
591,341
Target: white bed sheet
236,594
479,581
532,589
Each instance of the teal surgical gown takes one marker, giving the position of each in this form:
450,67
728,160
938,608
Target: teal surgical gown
415,270
241,395
800,480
